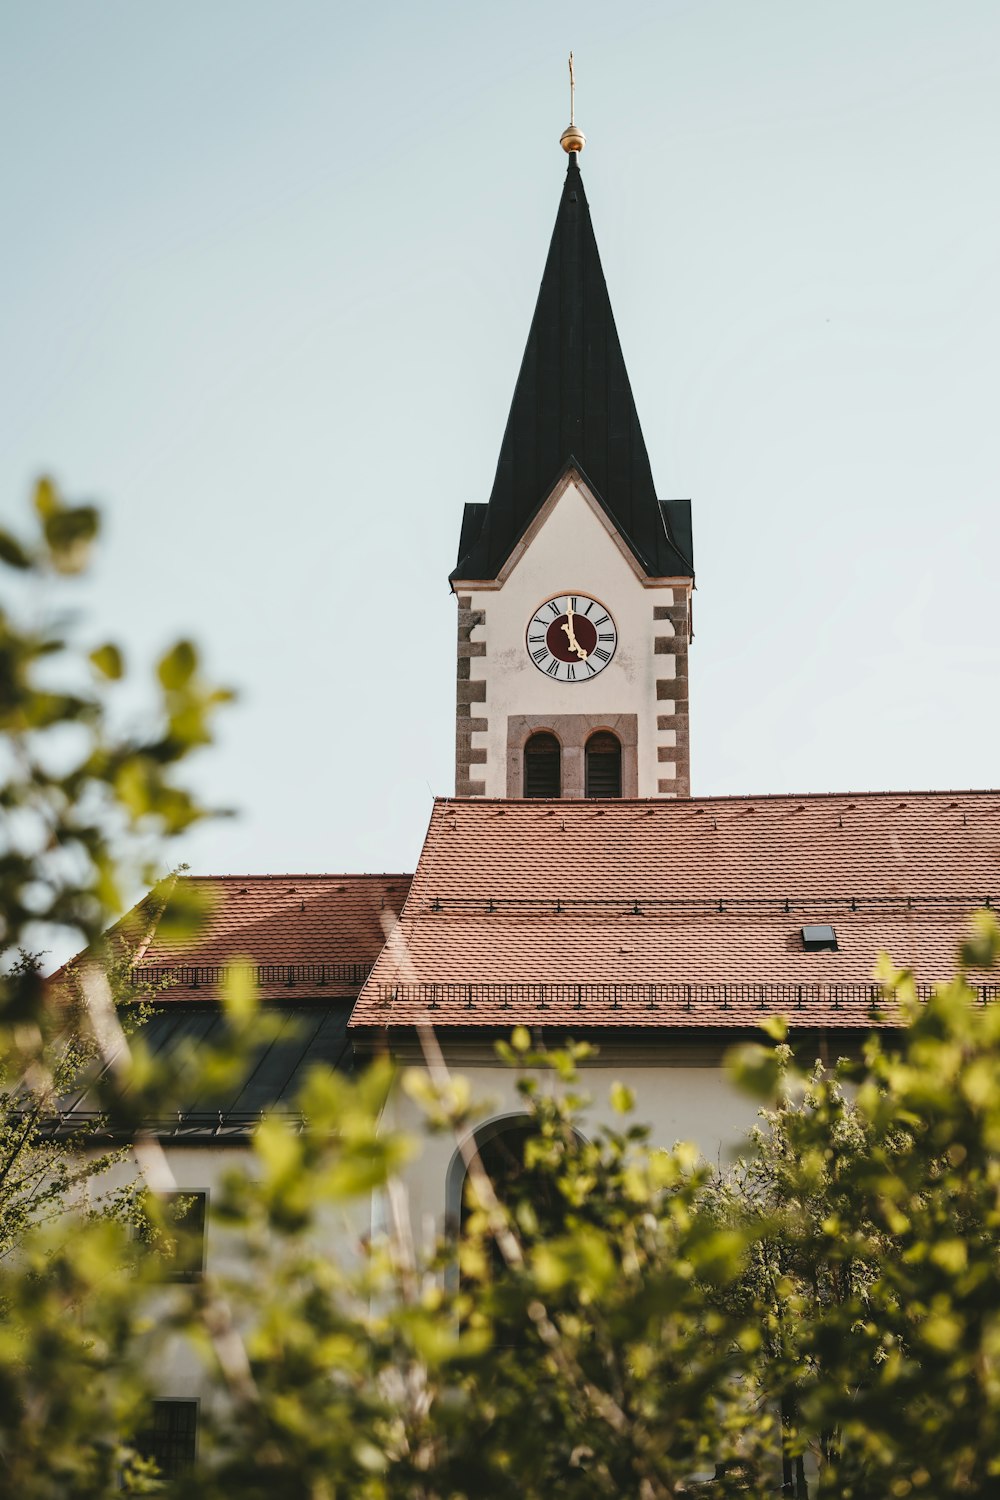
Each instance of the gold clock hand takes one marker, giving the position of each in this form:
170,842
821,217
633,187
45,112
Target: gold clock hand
574,644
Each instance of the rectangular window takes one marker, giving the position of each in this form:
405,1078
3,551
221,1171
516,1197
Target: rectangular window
171,1437
183,1246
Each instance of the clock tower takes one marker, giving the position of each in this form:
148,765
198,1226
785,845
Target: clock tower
574,581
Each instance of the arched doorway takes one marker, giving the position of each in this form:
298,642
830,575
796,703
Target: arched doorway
501,1147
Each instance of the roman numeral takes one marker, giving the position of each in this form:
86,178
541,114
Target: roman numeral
554,606
552,669
589,607
534,639
590,669
603,620
543,623
572,601
570,673
607,636
540,654
604,655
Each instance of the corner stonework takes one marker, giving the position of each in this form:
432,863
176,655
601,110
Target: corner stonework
673,745
469,693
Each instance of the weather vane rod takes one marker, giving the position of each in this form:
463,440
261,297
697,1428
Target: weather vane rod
572,139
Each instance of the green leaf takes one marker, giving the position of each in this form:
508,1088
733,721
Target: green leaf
756,1070
622,1098
177,666
46,498
107,660
981,949
12,553
238,993
69,533
775,1027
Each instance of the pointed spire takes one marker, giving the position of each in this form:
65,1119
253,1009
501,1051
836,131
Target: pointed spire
573,407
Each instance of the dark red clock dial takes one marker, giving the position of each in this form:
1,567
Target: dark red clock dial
557,637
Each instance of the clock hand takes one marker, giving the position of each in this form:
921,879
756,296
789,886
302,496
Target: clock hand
574,644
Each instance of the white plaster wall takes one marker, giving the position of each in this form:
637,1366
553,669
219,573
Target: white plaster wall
571,553
680,1098
679,1101
180,1372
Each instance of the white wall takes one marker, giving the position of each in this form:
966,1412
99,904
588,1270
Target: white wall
203,1169
681,1100
572,552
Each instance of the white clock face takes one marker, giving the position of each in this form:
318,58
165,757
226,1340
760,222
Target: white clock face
571,637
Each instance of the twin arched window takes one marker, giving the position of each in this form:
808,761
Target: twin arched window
602,766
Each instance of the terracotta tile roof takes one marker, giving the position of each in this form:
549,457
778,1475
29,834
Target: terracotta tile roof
680,913
312,935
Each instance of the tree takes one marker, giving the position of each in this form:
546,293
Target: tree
84,813
875,1272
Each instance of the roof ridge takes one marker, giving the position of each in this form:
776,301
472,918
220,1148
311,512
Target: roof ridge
682,802
312,875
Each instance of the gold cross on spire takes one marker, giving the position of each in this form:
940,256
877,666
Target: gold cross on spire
572,139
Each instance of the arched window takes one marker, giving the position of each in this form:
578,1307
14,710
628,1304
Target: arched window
604,765
501,1148
542,766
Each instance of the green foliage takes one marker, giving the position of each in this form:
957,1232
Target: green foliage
79,801
876,1272
609,1318
84,810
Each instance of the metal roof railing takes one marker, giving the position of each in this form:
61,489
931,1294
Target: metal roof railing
707,905
185,1125
193,976
653,997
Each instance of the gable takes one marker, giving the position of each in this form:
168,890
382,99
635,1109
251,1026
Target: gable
571,538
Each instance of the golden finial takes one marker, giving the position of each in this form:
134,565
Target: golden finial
572,138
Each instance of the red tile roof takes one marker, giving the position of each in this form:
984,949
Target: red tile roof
680,913
316,935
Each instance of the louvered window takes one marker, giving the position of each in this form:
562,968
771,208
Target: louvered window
171,1437
542,766
604,765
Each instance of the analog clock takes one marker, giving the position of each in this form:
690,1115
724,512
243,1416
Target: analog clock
571,638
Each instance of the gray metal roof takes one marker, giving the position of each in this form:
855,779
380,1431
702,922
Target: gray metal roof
307,1034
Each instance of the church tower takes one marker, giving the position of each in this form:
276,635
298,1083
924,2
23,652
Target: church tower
574,581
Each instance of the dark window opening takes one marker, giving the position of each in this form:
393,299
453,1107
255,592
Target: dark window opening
182,1241
542,766
515,1182
171,1437
604,765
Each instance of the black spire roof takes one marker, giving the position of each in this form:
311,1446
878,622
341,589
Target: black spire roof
573,407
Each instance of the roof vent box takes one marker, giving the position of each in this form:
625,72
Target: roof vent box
819,939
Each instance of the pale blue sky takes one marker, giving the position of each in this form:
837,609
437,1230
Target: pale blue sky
268,272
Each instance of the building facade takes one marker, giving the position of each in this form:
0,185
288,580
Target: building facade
572,885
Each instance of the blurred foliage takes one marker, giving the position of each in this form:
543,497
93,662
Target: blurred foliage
607,1318
84,807
876,1276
